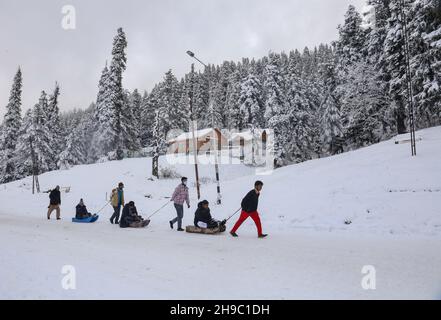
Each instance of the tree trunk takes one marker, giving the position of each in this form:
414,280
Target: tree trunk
401,118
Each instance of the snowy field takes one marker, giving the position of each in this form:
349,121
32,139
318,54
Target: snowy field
393,202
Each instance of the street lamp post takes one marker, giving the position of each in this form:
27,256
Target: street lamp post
216,149
193,124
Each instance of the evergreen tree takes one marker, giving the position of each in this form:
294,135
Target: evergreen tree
299,114
332,129
54,126
276,108
116,91
75,151
184,107
171,93
376,35
104,135
234,116
136,106
331,119
396,65
351,42
35,130
23,158
149,106
250,100
367,118
201,98
158,140
217,108
424,24
129,126
10,131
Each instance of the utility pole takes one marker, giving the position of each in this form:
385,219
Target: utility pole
215,148
193,125
409,88
35,169
155,159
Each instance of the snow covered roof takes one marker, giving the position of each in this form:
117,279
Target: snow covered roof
188,135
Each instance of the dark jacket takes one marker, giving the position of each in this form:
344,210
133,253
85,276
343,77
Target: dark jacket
250,202
129,215
55,197
204,215
81,212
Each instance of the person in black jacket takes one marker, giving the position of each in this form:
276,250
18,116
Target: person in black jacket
54,204
249,209
130,217
81,211
203,218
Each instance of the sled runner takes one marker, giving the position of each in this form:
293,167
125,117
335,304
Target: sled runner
193,229
86,220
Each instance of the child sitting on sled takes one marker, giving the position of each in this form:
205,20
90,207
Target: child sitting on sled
81,211
130,217
204,220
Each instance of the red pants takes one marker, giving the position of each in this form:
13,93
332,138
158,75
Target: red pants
243,216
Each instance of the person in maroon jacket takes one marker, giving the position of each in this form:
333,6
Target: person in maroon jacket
249,209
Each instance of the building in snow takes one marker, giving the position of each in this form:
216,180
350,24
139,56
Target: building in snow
205,138
243,143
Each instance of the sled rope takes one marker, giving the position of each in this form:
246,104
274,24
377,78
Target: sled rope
103,207
168,202
233,214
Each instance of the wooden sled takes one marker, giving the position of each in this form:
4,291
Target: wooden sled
193,229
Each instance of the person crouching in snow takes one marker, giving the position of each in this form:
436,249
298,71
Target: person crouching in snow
249,209
130,217
203,218
81,211
179,197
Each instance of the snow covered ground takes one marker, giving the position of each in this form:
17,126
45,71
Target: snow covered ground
393,202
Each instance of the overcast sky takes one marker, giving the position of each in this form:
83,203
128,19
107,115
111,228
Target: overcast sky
159,32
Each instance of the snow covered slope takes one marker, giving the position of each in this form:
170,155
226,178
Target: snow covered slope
380,189
392,202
